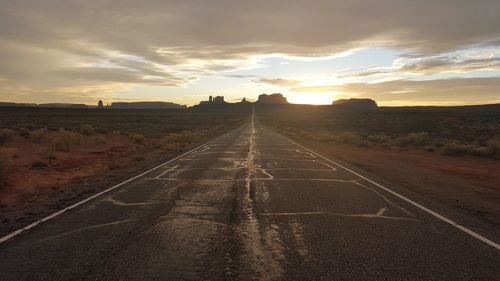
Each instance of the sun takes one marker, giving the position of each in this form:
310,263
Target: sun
311,98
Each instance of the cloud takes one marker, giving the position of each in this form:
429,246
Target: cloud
240,76
454,62
277,82
46,45
453,91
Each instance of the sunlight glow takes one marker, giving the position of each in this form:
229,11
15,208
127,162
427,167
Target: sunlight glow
312,98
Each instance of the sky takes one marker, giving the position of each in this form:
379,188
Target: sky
397,52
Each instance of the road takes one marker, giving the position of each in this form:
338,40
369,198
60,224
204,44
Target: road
251,205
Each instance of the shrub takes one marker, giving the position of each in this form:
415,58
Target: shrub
99,139
39,165
63,140
138,158
139,139
87,130
23,132
456,149
494,147
416,139
50,153
60,144
6,135
349,138
379,138
38,135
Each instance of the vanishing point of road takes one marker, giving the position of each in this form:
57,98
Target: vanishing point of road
253,205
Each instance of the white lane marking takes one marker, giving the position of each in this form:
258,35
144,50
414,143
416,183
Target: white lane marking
211,168
329,166
384,198
298,169
213,158
120,203
381,211
167,171
402,197
374,216
58,213
327,180
83,229
264,171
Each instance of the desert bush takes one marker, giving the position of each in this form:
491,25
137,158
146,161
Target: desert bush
415,139
60,144
379,138
99,139
138,158
139,139
50,153
492,150
321,136
38,135
173,146
87,130
494,147
39,165
63,140
456,149
6,135
23,132
114,164
349,138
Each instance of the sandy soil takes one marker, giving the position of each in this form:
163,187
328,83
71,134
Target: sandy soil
469,183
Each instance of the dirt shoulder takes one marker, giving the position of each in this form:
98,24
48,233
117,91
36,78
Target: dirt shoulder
468,183
33,192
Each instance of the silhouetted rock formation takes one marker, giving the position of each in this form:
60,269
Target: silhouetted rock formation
100,104
148,105
272,99
244,101
217,101
356,104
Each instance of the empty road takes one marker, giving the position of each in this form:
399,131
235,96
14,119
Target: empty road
253,205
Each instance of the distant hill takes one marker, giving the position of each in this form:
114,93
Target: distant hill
147,105
355,104
15,104
272,99
63,105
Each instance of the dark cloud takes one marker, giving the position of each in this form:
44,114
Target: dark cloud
278,82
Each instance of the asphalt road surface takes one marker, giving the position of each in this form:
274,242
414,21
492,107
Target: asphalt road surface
253,205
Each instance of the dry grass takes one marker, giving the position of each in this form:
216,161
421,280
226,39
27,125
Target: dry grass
139,139
87,129
414,139
38,135
419,140
6,135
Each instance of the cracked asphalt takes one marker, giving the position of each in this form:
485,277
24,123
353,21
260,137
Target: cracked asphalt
252,205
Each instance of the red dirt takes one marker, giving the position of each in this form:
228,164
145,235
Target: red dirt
25,182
